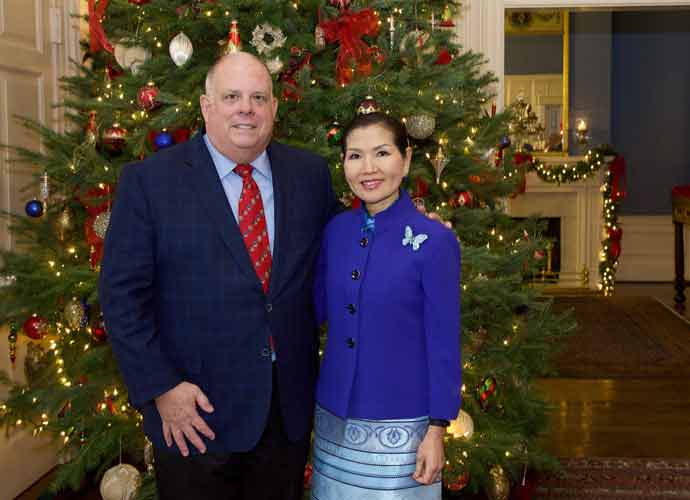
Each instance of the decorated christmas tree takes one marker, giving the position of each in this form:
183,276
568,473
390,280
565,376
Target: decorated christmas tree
137,91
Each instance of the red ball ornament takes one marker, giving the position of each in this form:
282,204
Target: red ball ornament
34,327
458,483
181,135
99,333
539,254
114,138
368,105
465,199
308,472
147,95
444,57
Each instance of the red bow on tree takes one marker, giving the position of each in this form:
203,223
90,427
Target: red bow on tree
354,56
98,40
617,170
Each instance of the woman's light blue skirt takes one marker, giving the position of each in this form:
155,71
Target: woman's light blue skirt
358,459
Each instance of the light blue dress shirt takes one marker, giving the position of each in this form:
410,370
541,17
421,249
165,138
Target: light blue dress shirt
232,184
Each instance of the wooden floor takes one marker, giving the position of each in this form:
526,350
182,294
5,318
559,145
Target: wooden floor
602,418
621,417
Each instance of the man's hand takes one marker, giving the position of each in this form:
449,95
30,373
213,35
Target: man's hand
430,456
177,409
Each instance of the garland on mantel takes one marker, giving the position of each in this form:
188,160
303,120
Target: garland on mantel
613,192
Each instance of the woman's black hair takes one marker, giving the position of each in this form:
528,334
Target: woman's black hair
391,124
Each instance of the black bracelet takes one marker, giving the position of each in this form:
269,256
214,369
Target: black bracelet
439,422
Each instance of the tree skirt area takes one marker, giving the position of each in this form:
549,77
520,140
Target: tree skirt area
623,337
617,479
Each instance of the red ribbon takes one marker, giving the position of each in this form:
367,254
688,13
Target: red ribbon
291,90
615,237
354,56
98,40
617,169
519,160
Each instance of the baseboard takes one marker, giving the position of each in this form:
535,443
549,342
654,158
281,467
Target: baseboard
648,249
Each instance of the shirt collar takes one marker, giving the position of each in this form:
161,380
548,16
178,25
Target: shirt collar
400,209
225,165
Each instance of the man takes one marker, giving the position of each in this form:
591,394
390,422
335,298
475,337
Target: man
206,291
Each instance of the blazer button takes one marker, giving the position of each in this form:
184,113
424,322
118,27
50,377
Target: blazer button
265,352
351,308
269,307
351,342
356,274
363,242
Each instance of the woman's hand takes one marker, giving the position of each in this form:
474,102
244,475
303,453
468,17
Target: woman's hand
430,456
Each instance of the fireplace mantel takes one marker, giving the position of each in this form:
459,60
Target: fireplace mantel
579,205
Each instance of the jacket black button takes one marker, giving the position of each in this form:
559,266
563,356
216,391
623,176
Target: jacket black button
363,242
351,308
265,352
355,275
269,307
350,342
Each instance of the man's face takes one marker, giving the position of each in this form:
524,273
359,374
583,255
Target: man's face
240,111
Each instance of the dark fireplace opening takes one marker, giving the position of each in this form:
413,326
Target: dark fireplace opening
551,263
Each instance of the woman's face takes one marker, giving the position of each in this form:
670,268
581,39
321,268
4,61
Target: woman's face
374,167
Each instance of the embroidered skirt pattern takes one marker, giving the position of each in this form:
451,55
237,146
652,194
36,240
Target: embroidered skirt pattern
368,459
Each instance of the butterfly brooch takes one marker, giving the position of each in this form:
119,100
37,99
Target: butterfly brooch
413,240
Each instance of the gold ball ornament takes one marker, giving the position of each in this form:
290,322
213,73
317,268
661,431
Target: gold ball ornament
463,426
499,486
101,223
420,126
120,483
75,314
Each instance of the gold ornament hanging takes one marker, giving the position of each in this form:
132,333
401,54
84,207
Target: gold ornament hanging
499,486
439,161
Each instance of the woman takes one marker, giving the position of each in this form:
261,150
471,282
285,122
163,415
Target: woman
388,283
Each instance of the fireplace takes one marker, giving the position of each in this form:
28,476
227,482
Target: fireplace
578,207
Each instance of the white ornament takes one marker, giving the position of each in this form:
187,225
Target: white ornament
131,58
120,483
274,65
421,126
181,49
266,38
7,280
135,57
463,426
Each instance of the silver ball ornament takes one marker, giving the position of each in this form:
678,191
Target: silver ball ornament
101,223
120,483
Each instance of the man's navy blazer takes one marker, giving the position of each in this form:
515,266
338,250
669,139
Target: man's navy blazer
182,302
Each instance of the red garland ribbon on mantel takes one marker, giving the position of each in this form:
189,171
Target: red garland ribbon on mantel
354,56
617,169
98,39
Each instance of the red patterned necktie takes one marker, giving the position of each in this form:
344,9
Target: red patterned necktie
252,222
